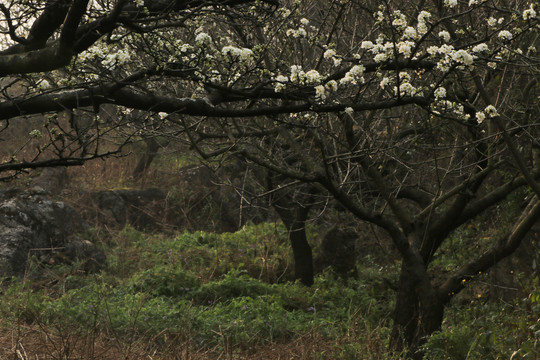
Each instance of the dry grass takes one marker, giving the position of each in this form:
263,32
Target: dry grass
29,342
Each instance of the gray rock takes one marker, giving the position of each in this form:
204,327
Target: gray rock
144,209
31,225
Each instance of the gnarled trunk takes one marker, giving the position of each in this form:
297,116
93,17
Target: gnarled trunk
418,311
295,221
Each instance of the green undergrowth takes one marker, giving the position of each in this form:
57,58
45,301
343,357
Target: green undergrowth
232,292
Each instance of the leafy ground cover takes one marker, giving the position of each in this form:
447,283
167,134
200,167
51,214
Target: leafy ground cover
203,296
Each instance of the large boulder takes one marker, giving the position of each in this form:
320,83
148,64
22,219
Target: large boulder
143,209
32,225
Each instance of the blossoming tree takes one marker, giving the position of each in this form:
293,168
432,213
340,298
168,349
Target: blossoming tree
416,117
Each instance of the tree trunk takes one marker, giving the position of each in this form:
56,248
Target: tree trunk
418,311
303,257
295,221
152,148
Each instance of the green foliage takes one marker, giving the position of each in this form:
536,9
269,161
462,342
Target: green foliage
460,344
226,292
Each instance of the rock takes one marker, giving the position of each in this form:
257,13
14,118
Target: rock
215,200
338,251
51,180
144,209
31,225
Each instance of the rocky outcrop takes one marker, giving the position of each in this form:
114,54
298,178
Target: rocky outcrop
338,251
33,226
143,209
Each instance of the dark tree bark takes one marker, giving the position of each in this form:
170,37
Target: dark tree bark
294,217
152,149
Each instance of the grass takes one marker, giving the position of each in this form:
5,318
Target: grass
204,295
207,296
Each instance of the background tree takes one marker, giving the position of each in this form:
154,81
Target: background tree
417,118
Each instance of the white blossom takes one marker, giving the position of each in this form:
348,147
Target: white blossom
202,38
320,92
297,74
462,56
491,111
313,76
332,85
241,53
35,134
280,83
480,117
505,35
410,33
439,93
380,57
304,21
405,48
450,3
529,13
445,35
329,53
385,81
480,48
349,110
43,84
492,21
368,45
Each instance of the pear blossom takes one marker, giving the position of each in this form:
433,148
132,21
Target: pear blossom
43,84
529,13
368,45
462,56
505,35
313,76
320,92
445,35
332,85
202,38
439,93
480,48
480,117
491,111
329,53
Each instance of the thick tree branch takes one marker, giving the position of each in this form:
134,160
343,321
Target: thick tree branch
505,247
